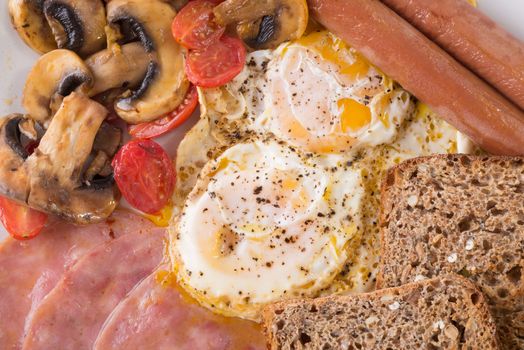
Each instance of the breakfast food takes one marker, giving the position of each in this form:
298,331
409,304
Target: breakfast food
448,312
461,214
81,189
57,73
472,38
165,84
71,24
276,193
256,215
158,314
116,67
33,268
80,282
264,24
280,176
170,121
89,291
453,92
132,167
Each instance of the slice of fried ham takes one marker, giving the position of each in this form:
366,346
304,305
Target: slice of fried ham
72,314
30,269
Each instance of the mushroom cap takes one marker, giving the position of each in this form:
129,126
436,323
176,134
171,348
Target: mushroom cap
118,67
264,24
57,165
165,84
31,25
57,72
77,25
14,180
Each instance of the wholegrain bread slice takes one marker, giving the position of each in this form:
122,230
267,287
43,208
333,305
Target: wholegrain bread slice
447,312
462,214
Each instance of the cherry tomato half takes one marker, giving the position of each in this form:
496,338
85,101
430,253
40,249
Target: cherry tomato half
145,175
20,221
170,121
194,26
217,64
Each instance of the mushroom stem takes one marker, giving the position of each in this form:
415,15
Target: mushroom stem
58,165
118,67
69,139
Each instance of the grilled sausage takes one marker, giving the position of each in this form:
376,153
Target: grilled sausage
472,38
420,66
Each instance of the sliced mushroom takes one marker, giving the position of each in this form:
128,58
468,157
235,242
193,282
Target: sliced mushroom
105,146
118,67
165,84
58,72
107,139
59,164
77,25
14,180
29,21
264,24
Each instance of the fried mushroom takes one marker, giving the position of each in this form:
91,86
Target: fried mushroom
59,165
118,67
55,75
14,180
264,24
77,25
31,25
165,84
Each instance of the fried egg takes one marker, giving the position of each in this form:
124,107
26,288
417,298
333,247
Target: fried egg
323,97
284,171
317,94
263,222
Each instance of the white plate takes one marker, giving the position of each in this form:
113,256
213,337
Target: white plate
16,60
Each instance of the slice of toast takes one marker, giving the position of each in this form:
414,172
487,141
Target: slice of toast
462,214
446,312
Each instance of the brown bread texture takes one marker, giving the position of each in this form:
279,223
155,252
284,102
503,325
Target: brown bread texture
446,312
459,214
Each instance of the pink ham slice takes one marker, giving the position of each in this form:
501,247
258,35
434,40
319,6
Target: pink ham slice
156,316
30,269
72,314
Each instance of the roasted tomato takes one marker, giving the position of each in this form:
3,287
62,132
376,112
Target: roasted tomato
194,26
145,175
20,221
217,64
168,122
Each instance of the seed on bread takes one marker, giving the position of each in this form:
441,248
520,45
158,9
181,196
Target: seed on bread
469,219
447,312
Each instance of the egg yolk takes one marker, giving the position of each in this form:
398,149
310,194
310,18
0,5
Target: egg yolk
354,115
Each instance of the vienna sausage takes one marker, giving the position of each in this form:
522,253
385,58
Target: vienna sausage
424,69
472,38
